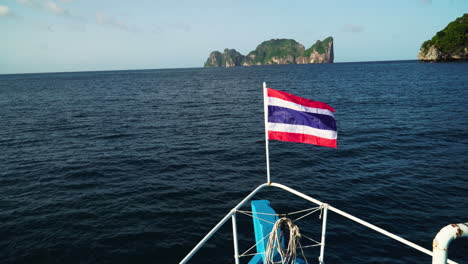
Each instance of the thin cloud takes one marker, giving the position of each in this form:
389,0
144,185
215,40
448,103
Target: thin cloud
49,6
4,11
57,7
352,28
54,8
31,3
105,20
428,2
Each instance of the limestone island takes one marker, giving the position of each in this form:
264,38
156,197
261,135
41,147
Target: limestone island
450,44
275,51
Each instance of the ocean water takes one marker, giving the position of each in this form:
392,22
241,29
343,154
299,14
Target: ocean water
137,166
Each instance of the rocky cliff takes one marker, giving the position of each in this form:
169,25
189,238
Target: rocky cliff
450,44
320,52
229,58
275,51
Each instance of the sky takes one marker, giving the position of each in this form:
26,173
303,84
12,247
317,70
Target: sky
90,35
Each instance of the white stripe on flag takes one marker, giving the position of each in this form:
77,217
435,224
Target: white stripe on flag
283,103
280,127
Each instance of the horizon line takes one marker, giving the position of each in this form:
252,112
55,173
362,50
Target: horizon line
180,68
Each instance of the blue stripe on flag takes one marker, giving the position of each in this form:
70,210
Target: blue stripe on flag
277,114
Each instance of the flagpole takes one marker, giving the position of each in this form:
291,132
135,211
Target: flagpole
265,111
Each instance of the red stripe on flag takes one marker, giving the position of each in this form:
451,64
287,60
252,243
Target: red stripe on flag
298,100
302,138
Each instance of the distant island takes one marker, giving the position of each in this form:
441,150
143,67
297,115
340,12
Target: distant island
450,44
275,51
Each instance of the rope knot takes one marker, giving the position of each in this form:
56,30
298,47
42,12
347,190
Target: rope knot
276,240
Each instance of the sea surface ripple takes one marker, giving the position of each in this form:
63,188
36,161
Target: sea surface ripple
137,166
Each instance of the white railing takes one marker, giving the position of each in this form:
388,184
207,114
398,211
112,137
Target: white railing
232,215
443,238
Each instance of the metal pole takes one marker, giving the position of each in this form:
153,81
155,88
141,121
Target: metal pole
306,197
265,112
303,196
324,228
358,220
380,230
234,236
207,236
443,238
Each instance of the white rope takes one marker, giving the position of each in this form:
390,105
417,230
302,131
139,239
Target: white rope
309,246
302,251
295,212
244,254
288,255
250,212
251,254
305,210
243,212
311,239
316,209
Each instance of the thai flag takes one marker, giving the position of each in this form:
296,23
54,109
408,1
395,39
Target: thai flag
296,119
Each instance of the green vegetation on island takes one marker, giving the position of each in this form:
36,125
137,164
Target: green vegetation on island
275,51
319,46
449,44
